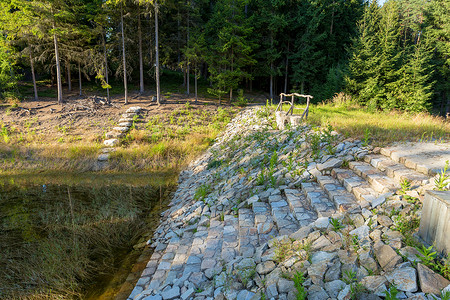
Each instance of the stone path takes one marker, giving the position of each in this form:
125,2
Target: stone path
112,138
244,220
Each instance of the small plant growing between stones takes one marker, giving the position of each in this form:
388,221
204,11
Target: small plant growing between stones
405,186
336,224
441,181
201,192
427,255
355,243
366,137
345,164
444,295
349,277
298,279
391,293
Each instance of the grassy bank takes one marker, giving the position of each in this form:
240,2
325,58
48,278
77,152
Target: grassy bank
163,141
379,128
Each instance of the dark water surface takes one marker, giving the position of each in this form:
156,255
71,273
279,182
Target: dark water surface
71,236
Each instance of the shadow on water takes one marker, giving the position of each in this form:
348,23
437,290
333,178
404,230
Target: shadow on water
72,236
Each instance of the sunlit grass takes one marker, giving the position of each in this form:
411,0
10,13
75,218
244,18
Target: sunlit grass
381,127
164,142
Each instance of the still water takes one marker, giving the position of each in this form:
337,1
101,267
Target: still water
66,236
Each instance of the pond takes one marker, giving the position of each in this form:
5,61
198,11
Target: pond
71,236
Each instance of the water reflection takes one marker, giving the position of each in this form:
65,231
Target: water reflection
57,238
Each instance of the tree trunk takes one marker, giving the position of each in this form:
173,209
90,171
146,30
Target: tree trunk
158,88
231,94
69,78
106,67
286,71
187,44
271,82
187,79
58,70
33,75
141,62
124,59
79,79
195,83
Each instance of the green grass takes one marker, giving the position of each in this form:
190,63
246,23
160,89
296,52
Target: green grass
378,128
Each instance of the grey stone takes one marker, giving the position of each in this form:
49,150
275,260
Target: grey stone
111,142
374,284
272,290
411,253
253,199
430,282
103,157
317,271
125,124
322,223
189,293
320,243
121,129
334,272
171,293
386,256
265,267
316,292
136,291
221,280
321,256
384,220
345,293
361,232
333,287
284,285
330,164
405,279
155,297
245,295
133,110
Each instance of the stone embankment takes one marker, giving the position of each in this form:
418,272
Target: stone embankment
276,214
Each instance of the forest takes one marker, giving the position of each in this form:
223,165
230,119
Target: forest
393,56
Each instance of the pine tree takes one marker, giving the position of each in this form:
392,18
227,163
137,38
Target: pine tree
231,52
363,81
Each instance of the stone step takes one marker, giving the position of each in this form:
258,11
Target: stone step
300,207
284,219
248,234
230,238
342,198
426,157
264,222
354,184
379,182
318,199
397,171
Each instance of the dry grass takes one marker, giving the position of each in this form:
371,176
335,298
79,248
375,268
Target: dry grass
381,128
165,141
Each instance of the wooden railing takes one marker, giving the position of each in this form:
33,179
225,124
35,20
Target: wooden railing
283,97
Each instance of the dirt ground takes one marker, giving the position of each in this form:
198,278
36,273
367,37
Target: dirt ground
87,114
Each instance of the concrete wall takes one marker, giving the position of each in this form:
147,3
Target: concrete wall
435,221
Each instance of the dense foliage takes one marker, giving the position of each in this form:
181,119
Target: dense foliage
394,56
